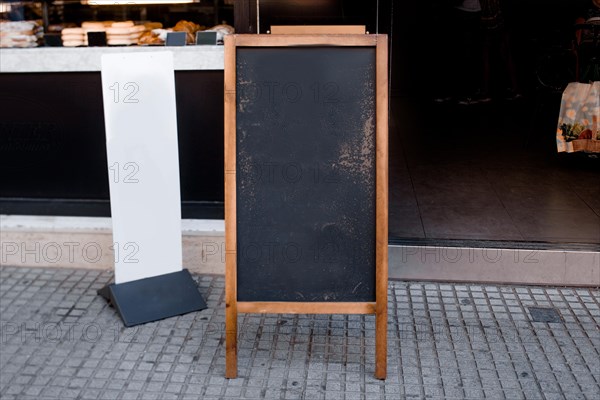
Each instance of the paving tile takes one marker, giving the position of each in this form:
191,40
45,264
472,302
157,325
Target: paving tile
447,341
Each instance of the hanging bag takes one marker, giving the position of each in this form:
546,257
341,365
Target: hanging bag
579,118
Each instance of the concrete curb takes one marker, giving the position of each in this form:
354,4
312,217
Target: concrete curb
73,242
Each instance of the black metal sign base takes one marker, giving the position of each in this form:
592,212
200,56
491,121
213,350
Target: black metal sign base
156,298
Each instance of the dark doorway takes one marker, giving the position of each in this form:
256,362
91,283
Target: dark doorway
487,171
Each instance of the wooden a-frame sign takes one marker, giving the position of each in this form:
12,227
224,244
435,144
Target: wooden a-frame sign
306,179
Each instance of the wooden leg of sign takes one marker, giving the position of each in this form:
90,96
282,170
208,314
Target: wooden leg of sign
382,210
230,213
230,341
231,314
381,342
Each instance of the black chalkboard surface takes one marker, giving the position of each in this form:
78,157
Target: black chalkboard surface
306,174
306,179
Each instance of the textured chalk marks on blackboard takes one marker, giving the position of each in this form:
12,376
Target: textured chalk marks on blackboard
357,152
305,216
357,155
334,122
272,120
244,177
368,118
245,88
369,106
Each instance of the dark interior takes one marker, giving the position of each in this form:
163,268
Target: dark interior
489,171
483,172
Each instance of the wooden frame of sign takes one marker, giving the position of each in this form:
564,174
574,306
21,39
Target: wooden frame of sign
378,307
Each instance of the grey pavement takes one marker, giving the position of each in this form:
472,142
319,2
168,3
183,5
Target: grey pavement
59,340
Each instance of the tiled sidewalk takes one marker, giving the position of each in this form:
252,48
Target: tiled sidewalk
59,340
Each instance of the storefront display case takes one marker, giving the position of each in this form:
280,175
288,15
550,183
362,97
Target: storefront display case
52,143
67,23
52,151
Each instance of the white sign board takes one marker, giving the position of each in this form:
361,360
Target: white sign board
143,163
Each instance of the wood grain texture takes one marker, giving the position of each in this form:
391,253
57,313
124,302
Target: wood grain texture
381,209
230,212
305,308
305,40
318,29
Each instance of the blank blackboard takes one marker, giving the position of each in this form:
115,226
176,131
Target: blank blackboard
306,174
306,179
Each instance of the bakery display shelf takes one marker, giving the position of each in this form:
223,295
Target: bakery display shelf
87,59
